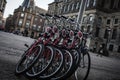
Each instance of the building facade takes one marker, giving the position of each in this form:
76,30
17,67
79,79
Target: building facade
9,27
26,19
2,9
101,18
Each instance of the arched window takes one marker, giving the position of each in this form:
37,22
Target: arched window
99,22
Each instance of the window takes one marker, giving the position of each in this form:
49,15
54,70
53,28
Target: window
29,17
112,4
103,3
84,19
64,9
114,34
111,47
108,21
40,20
22,14
78,5
116,21
37,13
88,3
68,8
106,34
65,0
27,24
72,7
119,4
94,3
20,22
39,27
23,8
118,49
31,10
34,26
91,18
97,32
36,19
99,21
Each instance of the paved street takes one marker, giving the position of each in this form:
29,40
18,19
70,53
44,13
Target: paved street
12,47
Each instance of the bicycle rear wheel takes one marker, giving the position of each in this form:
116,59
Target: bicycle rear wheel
28,59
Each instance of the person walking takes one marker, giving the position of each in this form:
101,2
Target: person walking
100,51
95,47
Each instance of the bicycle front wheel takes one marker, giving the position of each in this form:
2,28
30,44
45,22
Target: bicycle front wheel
28,59
84,69
43,63
67,66
55,67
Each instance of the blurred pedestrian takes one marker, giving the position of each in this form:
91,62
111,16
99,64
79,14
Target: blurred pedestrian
95,47
100,51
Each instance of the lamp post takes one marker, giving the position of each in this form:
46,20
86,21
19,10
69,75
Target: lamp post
106,52
80,13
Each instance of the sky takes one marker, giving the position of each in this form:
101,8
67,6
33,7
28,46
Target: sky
13,4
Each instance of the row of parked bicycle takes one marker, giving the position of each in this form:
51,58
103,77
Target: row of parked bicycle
56,54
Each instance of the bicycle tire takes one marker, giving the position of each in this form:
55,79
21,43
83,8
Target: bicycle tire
31,73
62,75
76,61
55,65
84,72
24,57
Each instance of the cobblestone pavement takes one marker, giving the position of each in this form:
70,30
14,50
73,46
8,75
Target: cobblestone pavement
12,47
